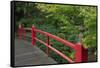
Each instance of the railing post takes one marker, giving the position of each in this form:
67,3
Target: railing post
84,54
20,31
33,35
47,41
81,54
24,34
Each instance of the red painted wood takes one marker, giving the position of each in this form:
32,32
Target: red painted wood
47,41
24,34
20,31
81,54
55,50
78,54
84,54
33,35
67,43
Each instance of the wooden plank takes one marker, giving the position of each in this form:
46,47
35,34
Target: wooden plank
27,54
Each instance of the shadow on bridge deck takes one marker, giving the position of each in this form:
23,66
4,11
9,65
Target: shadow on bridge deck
27,54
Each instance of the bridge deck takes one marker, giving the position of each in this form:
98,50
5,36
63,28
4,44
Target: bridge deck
27,54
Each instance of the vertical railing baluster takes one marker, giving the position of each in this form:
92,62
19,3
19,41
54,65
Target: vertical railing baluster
20,31
24,35
33,35
47,41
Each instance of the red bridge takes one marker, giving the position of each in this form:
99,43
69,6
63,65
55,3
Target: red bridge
81,54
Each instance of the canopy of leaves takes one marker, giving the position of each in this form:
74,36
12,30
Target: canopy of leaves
65,21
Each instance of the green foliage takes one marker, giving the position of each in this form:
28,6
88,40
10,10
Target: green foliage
89,38
67,22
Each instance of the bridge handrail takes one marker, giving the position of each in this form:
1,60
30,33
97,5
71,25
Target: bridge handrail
80,56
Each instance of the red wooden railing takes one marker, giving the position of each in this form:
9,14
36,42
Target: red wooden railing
81,54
